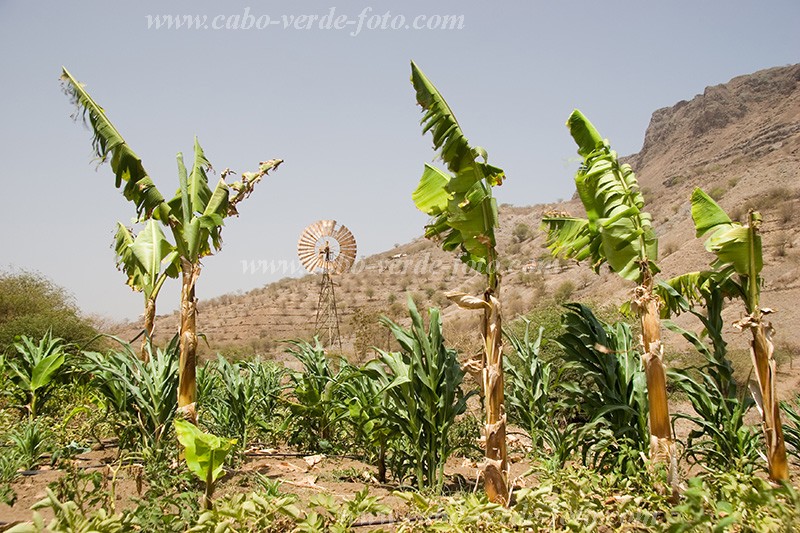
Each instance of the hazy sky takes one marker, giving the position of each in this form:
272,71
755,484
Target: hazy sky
337,107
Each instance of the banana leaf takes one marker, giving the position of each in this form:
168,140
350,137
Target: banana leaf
617,230
461,203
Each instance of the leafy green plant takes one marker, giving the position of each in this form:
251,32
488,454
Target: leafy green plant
143,395
327,514
33,370
464,218
791,429
69,517
360,400
85,488
424,394
727,502
529,382
171,500
313,395
532,400
31,441
11,461
612,391
721,440
249,513
468,513
577,498
205,455
465,437
240,396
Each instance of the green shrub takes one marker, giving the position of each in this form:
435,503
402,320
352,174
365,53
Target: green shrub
32,305
564,291
521,232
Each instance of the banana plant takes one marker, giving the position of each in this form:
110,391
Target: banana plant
464,219
148,259
618,232
195,216
738,265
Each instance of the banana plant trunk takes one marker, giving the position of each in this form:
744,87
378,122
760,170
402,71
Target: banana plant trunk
187,378
662,444
761,351
149,326
495,467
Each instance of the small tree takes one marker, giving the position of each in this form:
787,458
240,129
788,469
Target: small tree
195,216
618,232
737,269
464,219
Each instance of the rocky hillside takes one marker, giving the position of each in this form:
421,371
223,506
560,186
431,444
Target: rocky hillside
740,141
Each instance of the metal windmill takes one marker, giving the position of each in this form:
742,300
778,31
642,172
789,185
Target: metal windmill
331,249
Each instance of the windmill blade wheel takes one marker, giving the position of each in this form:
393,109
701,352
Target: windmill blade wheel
324,246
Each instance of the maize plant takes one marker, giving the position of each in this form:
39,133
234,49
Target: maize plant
792,426
239,397
612,393
464,218
142,395
195,216
619,233
313,397
423,396
33,369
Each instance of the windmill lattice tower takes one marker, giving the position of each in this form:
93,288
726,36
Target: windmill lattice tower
331,249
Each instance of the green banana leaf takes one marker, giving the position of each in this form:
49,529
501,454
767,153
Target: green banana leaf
197,211
108,143
205,453
147,259
462,206
616,231
729,240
